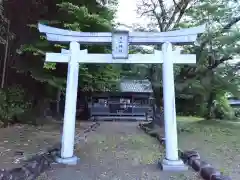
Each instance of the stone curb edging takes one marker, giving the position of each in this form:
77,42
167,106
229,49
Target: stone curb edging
192,159
37,164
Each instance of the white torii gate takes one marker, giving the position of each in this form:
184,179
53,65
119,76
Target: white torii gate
120,41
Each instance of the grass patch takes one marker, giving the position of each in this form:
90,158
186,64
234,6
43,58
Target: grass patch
189,118
217,142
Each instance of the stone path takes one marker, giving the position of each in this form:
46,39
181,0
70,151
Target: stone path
117,151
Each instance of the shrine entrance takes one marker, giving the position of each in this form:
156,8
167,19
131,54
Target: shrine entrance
120,41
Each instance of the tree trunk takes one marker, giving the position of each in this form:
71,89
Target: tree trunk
208,114
157,93
5,57
58,101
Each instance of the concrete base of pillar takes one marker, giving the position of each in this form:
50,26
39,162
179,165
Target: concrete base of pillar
168,165
68,161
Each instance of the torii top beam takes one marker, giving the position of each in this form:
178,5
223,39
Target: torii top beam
177,37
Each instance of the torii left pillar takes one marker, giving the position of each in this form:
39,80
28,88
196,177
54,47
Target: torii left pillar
68,134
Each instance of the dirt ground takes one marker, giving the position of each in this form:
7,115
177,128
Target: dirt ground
114,151
24,139
217,142
122,151
117,151
20,142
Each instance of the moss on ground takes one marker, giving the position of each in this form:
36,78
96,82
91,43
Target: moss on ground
217,142
142,149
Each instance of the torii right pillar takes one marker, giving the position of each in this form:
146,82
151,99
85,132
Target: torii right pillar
171,161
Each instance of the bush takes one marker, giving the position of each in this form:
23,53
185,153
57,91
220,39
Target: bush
223,110
12,104
237,112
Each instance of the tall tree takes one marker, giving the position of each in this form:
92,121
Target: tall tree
217,45
86,16
27,51
5,37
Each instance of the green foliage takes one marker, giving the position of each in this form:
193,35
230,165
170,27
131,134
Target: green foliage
222,109
78,17
201,88
85,15
237,112
83,19
217,46
98,77
12,104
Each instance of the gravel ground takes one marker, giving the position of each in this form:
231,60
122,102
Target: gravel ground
117,151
